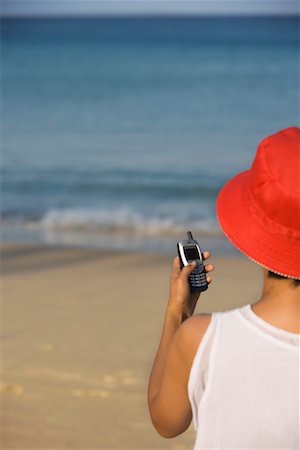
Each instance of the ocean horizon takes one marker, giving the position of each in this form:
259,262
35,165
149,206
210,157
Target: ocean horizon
118,133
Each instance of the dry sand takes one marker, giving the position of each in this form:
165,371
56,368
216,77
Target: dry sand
79,331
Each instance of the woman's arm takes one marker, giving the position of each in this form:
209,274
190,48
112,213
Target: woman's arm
167,390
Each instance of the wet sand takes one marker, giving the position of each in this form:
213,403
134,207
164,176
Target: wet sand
79,331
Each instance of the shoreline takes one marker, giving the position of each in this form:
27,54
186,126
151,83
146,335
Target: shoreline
114,240
80,330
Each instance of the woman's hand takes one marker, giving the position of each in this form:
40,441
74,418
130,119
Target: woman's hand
166,384
182,301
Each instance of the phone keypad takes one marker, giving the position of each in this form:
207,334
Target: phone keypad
197,278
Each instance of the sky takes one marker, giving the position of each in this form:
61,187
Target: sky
144,7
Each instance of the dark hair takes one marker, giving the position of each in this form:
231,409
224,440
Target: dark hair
295,283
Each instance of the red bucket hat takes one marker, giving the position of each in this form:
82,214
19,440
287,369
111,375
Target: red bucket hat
259,209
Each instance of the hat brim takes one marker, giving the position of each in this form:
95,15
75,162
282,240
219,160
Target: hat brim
251,236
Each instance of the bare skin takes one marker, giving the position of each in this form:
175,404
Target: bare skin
168,401
279,304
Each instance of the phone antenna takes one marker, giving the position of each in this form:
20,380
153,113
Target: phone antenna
190,236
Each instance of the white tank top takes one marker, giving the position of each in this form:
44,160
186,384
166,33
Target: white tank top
244,384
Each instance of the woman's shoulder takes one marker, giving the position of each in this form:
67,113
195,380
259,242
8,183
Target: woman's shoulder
192,331
195,325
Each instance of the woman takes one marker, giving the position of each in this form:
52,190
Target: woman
236,373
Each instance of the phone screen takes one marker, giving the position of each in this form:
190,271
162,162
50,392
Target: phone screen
191,253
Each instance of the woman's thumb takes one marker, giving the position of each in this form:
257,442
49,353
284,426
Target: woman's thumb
187,270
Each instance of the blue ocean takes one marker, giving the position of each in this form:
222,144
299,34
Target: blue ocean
118,133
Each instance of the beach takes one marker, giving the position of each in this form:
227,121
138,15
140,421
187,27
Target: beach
80,329
117,136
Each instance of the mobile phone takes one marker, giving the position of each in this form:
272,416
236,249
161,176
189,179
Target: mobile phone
189,251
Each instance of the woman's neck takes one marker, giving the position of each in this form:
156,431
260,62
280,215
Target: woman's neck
279,303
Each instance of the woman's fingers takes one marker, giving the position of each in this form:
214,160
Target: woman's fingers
209,267
177,268
206,254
